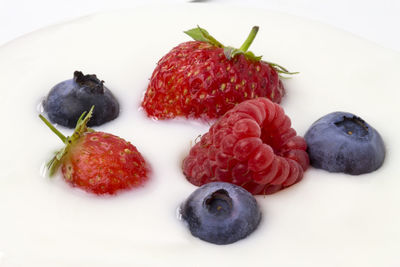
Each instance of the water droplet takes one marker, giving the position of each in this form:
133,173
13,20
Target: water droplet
39,106
179,214
43,170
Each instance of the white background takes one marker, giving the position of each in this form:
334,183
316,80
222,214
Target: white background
375,20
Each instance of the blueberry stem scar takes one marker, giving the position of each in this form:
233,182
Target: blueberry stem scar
90,81
219,202
351,125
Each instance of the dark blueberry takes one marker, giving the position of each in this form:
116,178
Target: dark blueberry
221,213
343,142
67,100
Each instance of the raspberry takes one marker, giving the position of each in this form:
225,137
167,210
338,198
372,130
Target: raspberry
253,146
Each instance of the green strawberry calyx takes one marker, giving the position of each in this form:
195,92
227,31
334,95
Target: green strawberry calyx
200,34
80,129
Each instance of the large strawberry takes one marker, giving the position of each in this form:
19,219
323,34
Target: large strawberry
204,79
98,162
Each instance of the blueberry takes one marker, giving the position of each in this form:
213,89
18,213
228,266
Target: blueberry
221,213
343,142
67,100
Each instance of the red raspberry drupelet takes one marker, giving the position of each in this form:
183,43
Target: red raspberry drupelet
252,146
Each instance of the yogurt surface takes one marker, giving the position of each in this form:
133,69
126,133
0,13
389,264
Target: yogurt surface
325,220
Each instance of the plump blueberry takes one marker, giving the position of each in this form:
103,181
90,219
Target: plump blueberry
221,213
343,142
67,100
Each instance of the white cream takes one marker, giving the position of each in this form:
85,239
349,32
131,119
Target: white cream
325,220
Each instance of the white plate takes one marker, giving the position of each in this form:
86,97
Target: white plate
325,220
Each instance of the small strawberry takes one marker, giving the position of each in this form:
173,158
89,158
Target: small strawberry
253,146
98,162
204,79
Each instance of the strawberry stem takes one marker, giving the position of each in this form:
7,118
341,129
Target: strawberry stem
245,46
57,132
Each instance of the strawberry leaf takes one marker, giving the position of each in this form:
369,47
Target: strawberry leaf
280,69
197,34
200,34
231,52
250,55
55,162
81,126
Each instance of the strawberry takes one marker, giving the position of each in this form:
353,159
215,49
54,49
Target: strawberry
98,162
253,146
204,79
